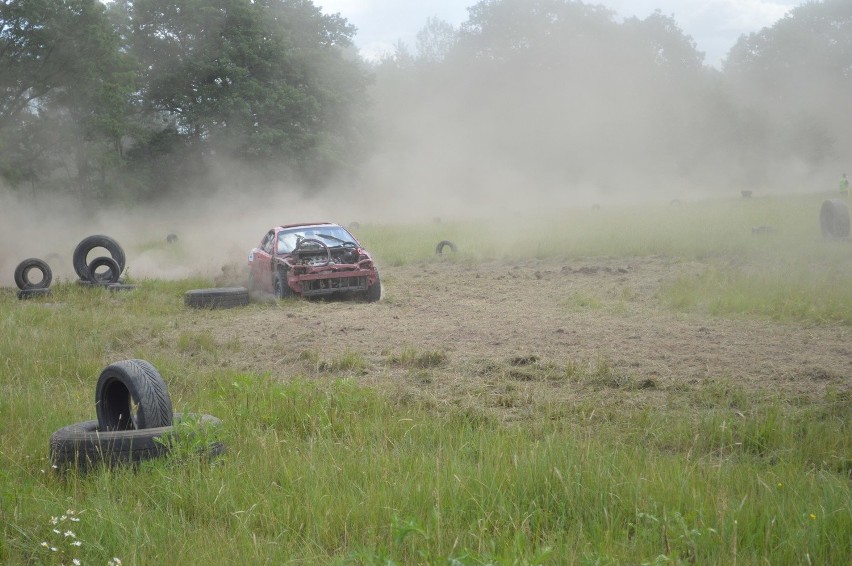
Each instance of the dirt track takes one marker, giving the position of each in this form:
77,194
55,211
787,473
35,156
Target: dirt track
500,325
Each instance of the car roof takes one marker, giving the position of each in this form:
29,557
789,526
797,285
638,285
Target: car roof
307,225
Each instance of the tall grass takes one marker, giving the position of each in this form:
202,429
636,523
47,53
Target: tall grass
335,473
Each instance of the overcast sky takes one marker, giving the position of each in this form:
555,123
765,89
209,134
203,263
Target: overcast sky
715,25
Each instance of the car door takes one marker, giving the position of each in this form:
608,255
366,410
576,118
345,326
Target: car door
263,263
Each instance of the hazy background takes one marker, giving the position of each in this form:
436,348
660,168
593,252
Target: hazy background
715,25
215,120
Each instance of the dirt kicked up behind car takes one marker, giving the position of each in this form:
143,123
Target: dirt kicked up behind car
310,260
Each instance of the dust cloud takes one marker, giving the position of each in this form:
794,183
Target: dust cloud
213,232
586,119
525,112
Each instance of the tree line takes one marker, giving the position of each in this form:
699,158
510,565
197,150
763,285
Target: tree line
137,100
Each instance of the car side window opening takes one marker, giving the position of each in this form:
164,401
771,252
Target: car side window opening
266,244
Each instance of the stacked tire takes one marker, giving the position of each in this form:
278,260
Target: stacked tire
135,422
104,271
27,288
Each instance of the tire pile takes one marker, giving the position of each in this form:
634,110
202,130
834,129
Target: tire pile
91,272
102,271
135,422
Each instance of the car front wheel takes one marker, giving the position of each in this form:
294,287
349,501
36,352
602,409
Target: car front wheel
374,291
282,288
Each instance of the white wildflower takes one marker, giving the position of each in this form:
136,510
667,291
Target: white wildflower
76,562
77,543
54,520
69,534
44,544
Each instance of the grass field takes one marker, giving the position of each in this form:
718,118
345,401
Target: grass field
324,469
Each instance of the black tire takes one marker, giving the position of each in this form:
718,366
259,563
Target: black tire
280,286
84,445
374,292
81,254
120,287
834,219
217,298
25,294
22,274
112,276
439,249
132,395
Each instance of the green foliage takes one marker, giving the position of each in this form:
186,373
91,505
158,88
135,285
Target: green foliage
65,88
261,82
136,100
772,75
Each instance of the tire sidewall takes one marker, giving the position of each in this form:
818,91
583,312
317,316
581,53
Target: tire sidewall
104,261
135,380
22,279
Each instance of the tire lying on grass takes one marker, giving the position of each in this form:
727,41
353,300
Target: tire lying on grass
834,219
81,253
25,294
221,298
109,277
22,274
120,287
132,395
84,445
439,249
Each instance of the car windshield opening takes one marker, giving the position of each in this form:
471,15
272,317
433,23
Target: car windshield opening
330,235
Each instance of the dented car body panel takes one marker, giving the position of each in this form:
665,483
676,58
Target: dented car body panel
313,259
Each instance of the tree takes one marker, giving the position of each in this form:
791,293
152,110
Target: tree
435,40
63,91
555,94
797,75
263,82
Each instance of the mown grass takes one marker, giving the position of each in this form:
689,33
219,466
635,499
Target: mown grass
322,470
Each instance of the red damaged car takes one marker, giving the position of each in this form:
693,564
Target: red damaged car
312,260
